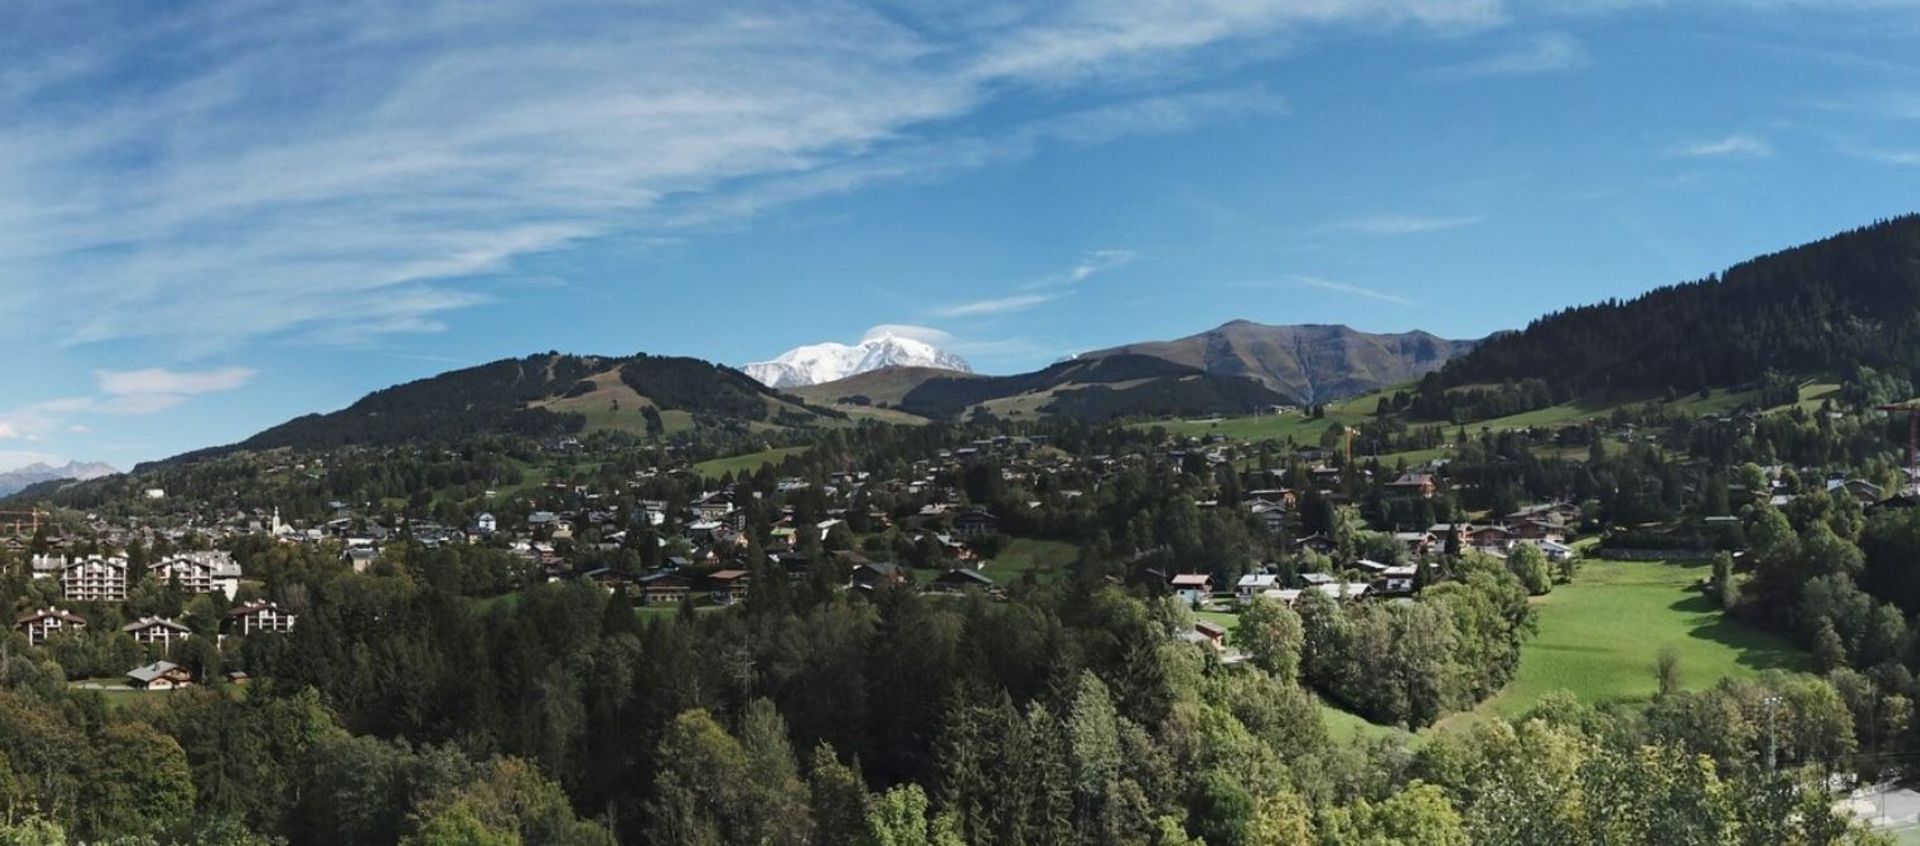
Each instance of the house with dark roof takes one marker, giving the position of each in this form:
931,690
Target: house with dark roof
959,580
42,624
664,588
259,617
729,586
156,631
877,575
160,675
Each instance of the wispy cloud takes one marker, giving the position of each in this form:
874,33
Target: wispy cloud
996,305
159,380
1046,289
1401,224
1731,147
336,175
1902,158
119,393
1093,264
1893,105
1552,52
1355,290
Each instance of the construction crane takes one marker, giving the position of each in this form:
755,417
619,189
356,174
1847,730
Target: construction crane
1912,411
24,522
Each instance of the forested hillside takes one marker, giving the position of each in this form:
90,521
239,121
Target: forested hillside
1847,301
1098,389
500,399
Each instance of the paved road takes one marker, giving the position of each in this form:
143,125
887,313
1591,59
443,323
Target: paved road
1888,808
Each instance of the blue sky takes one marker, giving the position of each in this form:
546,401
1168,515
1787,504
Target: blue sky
216,216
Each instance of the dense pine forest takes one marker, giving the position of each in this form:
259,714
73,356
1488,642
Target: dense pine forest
1849,301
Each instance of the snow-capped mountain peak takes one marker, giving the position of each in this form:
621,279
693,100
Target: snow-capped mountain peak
814,364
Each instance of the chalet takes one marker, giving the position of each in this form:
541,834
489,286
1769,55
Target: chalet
161,675
200,572
795,564
1273,517
260,617
1334,590
1193,588
1397,580
715,506
1450,534
974,524
1254,584
1538,530
1491,538
40,625
1416,543
1411,485
1555,551
1863,492
1316,580
961,580
664,588
878,575
1274,496
1899,501
607,578
360,557
729,586
1316,542
94,579
485,524
156,631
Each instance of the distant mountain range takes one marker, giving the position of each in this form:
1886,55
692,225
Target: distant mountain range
1236,369
1828,307
820,363
1311,363
14,481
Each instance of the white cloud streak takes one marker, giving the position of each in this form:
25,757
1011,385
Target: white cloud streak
1549,53
1045,289
162,381
338,173
120,393
1731,147
996,305
1355,290
1402,224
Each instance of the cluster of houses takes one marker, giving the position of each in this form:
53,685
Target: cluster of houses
101,578
105,579
245,619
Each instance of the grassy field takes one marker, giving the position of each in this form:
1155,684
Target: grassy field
1046,559
1352,412
748,463
1599,639
1225,619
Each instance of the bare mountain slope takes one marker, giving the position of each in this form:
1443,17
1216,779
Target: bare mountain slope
1316,363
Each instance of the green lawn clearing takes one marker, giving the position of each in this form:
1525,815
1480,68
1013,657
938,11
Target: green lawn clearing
1600,637
748,463
1046,559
